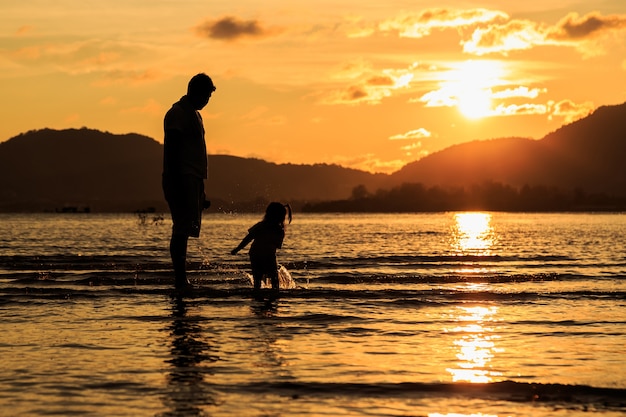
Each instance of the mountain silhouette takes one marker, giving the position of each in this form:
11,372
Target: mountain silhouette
586,154
78,168
55,169
239,179
48,169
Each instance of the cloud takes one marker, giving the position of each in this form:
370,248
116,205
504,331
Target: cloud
259,116
100,59
412,134
367,85
449,95
380,80
355,27
231,28
593,24
566,109
370,162
71,118
520,109
572,30
514,35
27,53
24,30
108,101
443,97
421,25
356,94
520,91
151,107
414,148
468,85
571,111
130,77
108,62
255,113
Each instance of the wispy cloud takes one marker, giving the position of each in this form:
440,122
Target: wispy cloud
573,31
108,101
566,109
24,30
231,28
520,91
573,26
483,87
503,38
356,94
415,146
412,134
422,24
128,77
260,116
71,118
414,149
111,62
151,107
370,162
571,111
365,85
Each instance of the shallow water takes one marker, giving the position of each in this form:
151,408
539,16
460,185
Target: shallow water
450,314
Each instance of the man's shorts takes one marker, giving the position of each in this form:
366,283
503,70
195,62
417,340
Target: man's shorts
185,197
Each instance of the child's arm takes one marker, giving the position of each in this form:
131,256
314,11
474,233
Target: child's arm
242,245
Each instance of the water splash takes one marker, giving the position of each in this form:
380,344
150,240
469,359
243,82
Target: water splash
285,280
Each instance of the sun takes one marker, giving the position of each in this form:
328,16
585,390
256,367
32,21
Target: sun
471,83
474,103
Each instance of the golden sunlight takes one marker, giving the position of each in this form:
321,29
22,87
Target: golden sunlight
473,233
474,103
461,415
471,82
475,345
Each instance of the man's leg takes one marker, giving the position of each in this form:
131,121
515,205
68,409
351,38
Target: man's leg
178,252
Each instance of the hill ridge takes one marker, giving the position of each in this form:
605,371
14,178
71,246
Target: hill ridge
45,169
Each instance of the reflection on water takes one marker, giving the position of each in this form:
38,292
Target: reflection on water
472,233
475,345
266,346
188,391
461,415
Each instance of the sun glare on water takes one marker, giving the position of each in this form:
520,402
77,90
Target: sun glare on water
473,233
475,345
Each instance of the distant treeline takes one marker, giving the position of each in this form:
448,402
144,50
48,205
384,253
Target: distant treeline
415,197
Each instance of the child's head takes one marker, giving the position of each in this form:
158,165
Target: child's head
276,212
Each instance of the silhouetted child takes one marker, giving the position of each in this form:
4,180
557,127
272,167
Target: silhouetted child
266,237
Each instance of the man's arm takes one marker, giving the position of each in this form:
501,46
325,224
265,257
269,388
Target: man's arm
173,150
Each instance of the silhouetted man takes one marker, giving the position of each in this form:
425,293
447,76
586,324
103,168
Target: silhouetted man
184,170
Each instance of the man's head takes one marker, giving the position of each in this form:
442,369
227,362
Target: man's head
199,90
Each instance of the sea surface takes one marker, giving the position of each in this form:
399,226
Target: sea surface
437,314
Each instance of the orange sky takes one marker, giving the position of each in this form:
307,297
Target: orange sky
365,84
